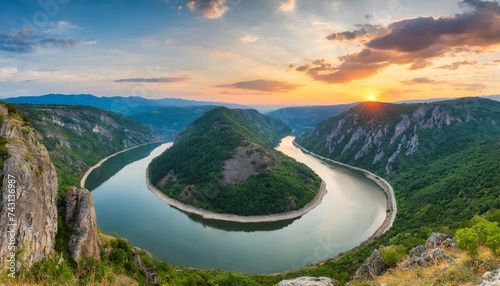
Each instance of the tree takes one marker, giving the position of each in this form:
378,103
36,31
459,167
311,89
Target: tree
467,239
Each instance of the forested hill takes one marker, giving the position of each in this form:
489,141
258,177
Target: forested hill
441,157
78,137
225,162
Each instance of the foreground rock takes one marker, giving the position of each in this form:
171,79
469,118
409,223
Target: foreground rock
81,220
307,281
30,223
491,278
150,274
373,266
431,251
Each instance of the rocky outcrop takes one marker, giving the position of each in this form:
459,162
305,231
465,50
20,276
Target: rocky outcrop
307,281
82,223
491,278
373,266
150,274
29,223
438,239
431,252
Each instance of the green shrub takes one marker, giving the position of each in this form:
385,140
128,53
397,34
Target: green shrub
51,272
391,256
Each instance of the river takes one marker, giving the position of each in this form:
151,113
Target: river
350,213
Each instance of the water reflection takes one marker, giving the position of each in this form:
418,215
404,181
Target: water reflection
238,226
114,164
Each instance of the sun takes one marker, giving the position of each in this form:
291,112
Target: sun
372,96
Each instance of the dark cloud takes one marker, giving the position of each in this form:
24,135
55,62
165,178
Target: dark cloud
262,85
415,42
456,65
209,9
362,31
27,42
158,79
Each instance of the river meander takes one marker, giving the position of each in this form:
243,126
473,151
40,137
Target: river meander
351,211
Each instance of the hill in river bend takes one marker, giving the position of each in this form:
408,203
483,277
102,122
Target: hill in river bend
225,162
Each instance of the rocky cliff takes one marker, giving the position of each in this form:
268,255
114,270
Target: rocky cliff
380,135
82,223
28,215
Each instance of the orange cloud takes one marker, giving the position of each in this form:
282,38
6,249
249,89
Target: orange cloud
209,9
222,54
262,85
457,65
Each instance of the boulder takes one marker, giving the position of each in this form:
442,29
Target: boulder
491,278
307,281
419,256
436,239
82,223
372,266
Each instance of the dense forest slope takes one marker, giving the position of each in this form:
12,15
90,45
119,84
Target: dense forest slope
225,162
77,137
441,158
304,118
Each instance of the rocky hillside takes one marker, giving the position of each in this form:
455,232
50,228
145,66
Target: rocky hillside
381,135
225,162
28,213
77,137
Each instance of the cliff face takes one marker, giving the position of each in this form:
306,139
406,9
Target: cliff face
33,227
378,135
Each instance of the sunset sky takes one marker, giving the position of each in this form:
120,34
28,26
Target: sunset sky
251,51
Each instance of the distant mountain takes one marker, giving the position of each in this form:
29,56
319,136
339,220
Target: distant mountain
440,157
304,118
169,121
225,162
78,137
118,104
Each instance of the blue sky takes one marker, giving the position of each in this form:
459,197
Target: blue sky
251,51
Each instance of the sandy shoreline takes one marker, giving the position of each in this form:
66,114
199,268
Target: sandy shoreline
235,218
85,176
382,183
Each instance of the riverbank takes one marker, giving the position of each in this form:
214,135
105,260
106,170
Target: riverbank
382,183
235,218
85,176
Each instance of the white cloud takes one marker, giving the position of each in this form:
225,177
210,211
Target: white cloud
248,39
8,71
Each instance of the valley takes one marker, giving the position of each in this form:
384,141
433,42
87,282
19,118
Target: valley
434,194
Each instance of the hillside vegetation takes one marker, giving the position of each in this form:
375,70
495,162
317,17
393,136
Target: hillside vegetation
77,137
225,162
